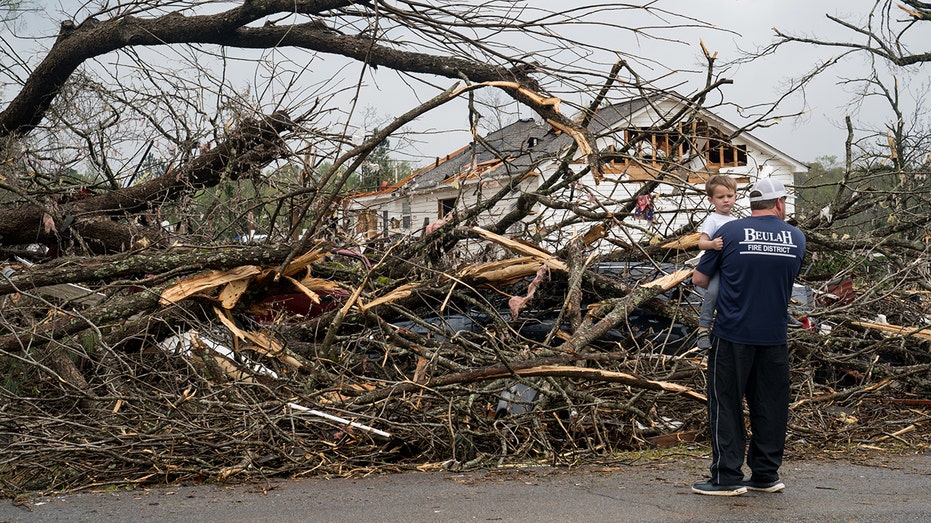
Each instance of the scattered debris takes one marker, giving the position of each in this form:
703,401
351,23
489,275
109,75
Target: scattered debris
337,419
516,400
447,368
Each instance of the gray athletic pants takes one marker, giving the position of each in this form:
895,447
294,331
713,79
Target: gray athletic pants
709,301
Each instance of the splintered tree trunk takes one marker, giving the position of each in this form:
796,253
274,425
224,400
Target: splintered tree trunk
574,348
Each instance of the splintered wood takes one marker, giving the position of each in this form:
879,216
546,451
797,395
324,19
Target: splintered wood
201,284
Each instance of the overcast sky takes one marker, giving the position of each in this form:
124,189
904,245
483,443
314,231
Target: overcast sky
746,24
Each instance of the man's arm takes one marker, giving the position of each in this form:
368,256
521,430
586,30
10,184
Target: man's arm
700,279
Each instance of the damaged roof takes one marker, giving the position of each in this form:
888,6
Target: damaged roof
517,147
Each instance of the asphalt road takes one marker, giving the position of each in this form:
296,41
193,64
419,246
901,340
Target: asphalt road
877,488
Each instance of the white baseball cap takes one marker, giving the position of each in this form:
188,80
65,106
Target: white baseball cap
769,189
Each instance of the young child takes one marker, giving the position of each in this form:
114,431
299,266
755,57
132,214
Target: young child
722,193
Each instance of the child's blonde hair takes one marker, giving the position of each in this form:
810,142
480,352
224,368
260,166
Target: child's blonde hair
719,179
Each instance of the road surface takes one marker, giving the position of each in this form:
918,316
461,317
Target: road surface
877,488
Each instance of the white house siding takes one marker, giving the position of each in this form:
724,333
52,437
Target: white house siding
424,206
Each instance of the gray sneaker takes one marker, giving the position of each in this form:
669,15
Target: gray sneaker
713,489
759,486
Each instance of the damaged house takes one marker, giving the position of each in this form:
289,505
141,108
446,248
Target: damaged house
656,155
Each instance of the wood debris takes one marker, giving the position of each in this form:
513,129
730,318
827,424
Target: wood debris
375,372
922,333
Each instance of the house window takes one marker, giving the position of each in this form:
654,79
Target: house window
651,149
406,218
446,206
656,146
724,154
718,149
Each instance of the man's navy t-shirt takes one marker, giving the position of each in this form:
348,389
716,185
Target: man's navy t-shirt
757,266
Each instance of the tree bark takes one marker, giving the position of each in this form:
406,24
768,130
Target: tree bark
252,146
95,38
109,312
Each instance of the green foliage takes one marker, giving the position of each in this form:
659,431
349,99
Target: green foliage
89,341
896,194
380,168
223,212
15,376
830,264
330,187
272,204
24,175
818,187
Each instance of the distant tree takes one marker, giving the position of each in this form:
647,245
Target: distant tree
816,188
381,168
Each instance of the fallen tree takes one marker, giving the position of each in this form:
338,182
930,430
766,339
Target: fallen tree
402,385
136,353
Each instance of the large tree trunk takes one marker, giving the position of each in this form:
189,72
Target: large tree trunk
245,152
